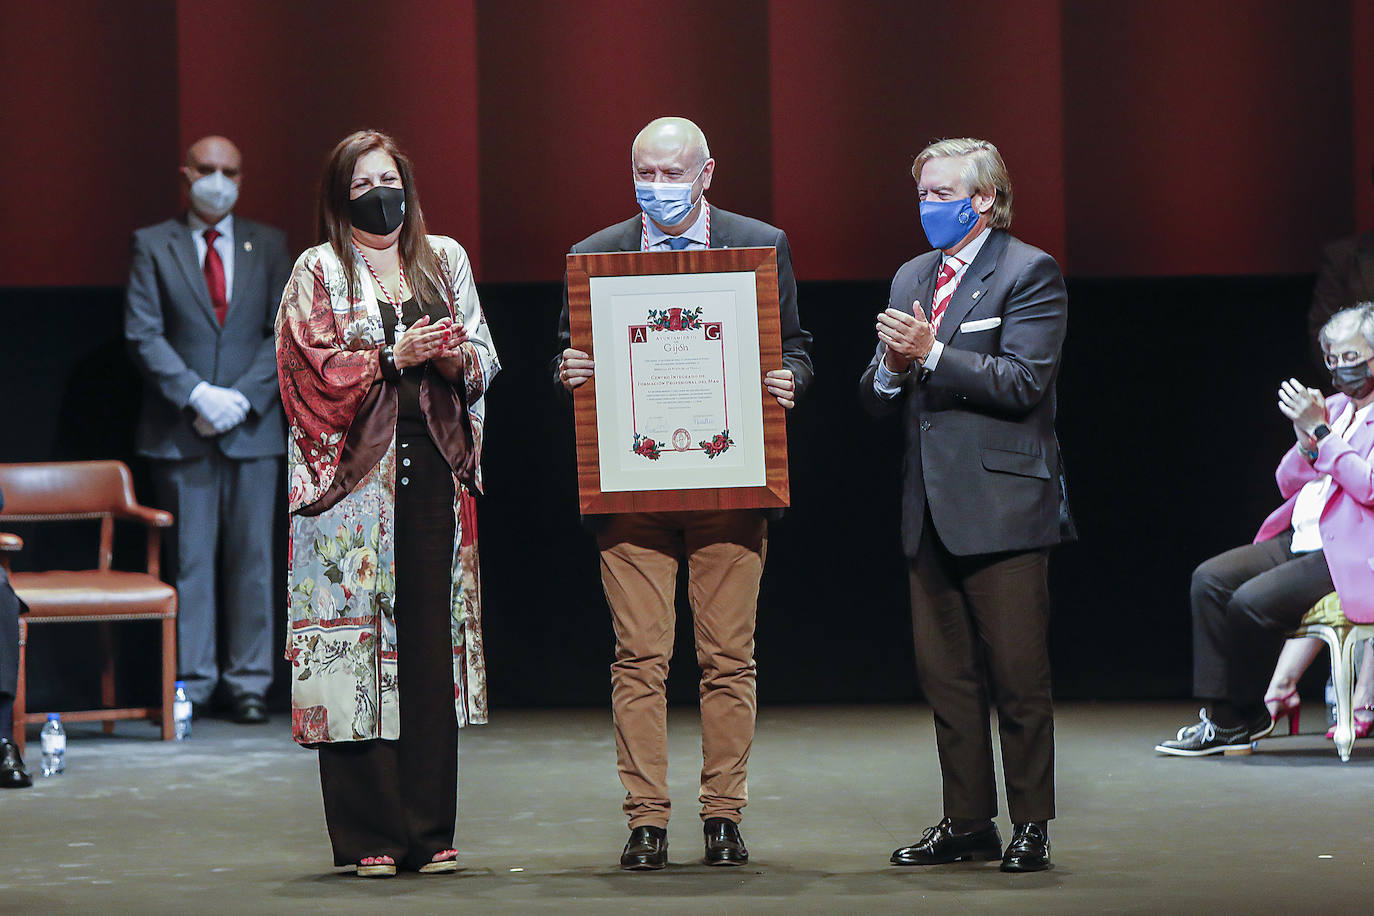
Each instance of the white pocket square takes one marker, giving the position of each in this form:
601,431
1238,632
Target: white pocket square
982,324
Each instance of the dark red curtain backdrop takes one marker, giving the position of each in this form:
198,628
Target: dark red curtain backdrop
1144,138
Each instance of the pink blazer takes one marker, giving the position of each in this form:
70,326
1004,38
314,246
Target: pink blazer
1347,523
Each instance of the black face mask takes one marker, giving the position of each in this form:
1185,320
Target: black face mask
379,211
1353,381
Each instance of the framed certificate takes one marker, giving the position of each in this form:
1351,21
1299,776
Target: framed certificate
676,416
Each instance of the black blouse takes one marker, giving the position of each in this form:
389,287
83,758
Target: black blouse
410,421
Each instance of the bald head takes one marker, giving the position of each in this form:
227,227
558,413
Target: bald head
215,149
668,138
204,158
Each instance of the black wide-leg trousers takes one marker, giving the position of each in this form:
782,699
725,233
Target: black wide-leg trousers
400,798
1245,601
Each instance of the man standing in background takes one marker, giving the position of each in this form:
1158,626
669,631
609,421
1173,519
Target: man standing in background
198,317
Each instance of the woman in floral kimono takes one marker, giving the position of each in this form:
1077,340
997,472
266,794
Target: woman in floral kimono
384,359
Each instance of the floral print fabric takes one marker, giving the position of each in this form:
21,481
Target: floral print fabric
341,640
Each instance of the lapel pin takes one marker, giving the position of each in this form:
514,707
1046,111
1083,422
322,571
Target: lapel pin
247,246
976,294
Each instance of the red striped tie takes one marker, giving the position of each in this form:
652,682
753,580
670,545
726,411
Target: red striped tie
944,290
214,276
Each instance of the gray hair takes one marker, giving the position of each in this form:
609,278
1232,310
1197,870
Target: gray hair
1359,318
984,172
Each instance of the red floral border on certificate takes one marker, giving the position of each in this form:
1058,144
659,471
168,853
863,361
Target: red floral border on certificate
717,443
674,319
646,447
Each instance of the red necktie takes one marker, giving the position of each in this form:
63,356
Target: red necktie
944,290
214,276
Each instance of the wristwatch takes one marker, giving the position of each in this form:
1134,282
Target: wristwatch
1321,431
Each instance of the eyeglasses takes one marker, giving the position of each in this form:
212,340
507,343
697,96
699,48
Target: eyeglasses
1348,358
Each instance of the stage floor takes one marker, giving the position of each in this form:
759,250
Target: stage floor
231,822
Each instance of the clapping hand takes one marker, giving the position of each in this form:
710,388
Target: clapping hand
1305,407
908,337
449,360
424,341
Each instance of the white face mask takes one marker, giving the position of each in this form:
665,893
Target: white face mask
214,193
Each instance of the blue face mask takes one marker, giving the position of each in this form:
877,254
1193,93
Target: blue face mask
667,202
947,221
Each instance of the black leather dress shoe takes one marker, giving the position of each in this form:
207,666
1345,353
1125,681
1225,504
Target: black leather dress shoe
940,844
12,772
1029,849
249,709
646,849
724,845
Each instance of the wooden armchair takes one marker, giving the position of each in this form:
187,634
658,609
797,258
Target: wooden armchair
62,491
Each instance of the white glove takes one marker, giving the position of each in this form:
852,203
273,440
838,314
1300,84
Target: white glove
221,408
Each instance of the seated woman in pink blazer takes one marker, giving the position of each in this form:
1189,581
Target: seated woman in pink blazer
1321,539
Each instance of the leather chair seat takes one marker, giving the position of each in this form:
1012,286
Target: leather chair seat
93,593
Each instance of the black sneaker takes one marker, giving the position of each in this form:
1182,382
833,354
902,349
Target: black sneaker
1206,737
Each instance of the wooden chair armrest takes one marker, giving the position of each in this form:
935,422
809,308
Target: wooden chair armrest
153,518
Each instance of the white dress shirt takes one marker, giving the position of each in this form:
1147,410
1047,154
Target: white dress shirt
224,245
888,384
1312,498
658,239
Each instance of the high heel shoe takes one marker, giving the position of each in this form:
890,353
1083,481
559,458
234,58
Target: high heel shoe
1362,726
1288,704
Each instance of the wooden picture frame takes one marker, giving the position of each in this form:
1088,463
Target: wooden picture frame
680,269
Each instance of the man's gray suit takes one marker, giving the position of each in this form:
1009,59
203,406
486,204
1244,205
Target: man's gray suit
221,489
982,501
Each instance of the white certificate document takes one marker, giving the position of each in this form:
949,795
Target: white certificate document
679,395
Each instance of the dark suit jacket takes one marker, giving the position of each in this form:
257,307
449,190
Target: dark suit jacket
980,442
1345,278
728,230
176,341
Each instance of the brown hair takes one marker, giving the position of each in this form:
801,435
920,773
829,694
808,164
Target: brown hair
336,226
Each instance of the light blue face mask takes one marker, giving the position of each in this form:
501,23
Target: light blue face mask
667,202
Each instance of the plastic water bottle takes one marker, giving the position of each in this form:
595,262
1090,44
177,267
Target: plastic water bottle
181,713
54,746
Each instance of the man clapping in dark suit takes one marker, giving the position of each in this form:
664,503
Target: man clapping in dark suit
968,351
198,316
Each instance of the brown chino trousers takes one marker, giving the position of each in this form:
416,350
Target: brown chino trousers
981,625
639,563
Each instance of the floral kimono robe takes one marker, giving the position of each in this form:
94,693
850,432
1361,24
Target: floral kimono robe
341,562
